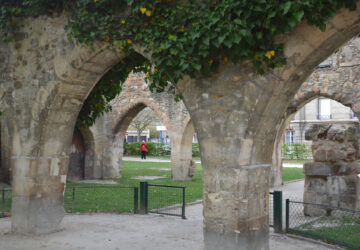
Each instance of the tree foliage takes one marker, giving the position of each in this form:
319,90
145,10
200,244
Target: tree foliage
143,120
183,37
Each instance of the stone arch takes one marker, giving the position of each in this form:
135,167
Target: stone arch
76,168
236,114
181,155
82,153
125,117
338,82
89,161
243,111
56,91
127,114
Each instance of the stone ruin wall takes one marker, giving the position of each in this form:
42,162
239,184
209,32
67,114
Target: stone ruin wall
108,132
333,177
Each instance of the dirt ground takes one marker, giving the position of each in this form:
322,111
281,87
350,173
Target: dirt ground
128,231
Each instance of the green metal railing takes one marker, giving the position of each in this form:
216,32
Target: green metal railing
5,201
162,199
275,211
330,224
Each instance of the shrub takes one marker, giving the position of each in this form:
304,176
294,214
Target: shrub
296,151
195,150
155,149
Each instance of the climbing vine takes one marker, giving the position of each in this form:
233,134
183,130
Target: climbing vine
183,37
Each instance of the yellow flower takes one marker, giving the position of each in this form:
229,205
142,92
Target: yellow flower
142,10
123,21
107,38
225,59
129,41
147,75
148,12
270,53
13,20
181,29
211,61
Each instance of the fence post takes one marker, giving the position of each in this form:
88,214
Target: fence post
73,200
136,191
287,214
3,202
183,205
277,203
143,197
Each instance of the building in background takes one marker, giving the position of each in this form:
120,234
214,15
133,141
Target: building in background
132,136
319,110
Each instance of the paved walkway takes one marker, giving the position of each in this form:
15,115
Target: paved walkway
127,231
154,159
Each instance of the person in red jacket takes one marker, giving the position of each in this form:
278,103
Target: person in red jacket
143,150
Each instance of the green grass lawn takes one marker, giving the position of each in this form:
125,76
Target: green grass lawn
295,161
345,229
290,174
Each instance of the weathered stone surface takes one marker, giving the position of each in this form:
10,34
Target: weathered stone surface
236,113
339,81
332,179
317,168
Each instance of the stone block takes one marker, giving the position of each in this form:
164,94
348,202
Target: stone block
346,168
317,168
319,155
316,184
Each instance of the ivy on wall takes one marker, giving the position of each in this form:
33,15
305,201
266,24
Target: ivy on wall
183,37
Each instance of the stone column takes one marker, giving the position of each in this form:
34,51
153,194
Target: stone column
182,165
332,178
234,116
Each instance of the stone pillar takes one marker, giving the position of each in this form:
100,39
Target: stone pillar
236,137
332,178
182,165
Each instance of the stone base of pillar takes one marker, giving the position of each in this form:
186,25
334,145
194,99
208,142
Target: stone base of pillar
32,215
258,239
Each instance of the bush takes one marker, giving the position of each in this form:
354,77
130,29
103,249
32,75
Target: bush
155,149
296,151
195,150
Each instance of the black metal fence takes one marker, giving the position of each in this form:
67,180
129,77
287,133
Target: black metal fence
5,202
331,224
101,199
162,199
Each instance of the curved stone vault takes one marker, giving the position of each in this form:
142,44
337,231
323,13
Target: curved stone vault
108,132
45,79
340,82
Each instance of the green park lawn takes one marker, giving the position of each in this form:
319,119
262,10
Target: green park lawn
107,198
112,198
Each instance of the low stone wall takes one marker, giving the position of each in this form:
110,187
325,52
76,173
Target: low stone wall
332,178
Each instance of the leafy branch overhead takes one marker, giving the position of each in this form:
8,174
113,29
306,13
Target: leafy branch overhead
183,37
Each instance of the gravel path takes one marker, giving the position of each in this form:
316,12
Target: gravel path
128,231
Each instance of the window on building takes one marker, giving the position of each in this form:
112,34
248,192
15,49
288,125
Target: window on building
324,112
290,137
352,115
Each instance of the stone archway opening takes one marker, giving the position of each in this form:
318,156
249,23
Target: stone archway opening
76,168
82,153
292,148
235,112
135,112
